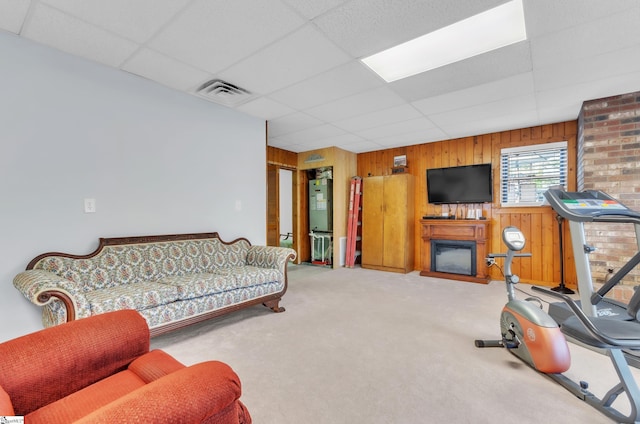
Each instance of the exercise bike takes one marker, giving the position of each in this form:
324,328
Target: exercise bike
527,331
532,335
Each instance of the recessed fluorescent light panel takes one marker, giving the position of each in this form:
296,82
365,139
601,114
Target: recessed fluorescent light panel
487,31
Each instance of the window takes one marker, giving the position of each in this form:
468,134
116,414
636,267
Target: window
527,172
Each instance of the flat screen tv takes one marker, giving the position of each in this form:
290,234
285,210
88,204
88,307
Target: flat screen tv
460,184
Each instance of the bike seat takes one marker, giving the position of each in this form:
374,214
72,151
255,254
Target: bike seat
625,331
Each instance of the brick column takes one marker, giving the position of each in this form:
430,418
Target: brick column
609,160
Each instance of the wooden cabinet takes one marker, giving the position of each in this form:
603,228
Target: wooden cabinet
388,223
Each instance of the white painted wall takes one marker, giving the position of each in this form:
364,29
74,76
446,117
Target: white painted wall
157,162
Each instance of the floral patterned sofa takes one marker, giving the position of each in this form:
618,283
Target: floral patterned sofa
172,281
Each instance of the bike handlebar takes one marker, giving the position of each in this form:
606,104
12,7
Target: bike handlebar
504,255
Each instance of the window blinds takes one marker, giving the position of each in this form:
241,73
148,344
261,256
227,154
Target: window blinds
527,172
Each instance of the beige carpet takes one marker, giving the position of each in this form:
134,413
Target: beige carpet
360,346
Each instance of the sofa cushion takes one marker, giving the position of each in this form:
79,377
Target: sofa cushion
246,276
222,255
191,286
138,296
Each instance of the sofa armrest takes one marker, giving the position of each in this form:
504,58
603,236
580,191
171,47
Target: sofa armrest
42,287
194,394
270,256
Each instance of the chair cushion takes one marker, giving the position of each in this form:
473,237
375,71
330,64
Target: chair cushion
6,407
87,400
155,364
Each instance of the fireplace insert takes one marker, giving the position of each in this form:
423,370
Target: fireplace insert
453,256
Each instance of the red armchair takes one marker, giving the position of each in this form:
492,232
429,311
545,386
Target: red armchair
100,370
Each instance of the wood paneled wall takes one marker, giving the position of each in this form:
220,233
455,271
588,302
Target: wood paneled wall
282,158
538,224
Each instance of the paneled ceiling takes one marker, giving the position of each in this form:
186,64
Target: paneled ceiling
299,61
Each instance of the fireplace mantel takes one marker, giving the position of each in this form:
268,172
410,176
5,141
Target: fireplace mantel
456,229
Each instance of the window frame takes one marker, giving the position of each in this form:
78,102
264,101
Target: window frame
561,175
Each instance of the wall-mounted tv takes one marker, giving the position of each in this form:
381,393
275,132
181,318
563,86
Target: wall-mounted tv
460,184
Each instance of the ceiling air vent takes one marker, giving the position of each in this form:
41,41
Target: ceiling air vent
223,92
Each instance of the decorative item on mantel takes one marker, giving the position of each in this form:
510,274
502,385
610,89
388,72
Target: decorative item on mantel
399,165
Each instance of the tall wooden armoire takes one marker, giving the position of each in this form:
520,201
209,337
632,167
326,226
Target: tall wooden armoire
388,223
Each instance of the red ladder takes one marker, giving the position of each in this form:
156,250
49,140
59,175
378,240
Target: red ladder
353,219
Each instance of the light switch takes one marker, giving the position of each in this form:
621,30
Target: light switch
89,205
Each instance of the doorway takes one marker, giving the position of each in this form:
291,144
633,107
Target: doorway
280,206
285,200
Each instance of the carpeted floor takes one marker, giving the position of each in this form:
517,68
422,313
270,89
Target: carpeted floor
360,346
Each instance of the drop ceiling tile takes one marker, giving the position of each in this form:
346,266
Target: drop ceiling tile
314,145
508,121
358,104
306,53
292,123
283,144
361,146
343,81
214,34
560,113
545,17
477,95
312,8
391,142
56,29
397,128
12,14
564,97
265,108
164,70
364,27
135,20
575,94
379,118
424,136
487,111
482,69
610,33
342,139
312,134
590,69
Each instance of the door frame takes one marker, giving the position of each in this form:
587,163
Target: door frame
273,206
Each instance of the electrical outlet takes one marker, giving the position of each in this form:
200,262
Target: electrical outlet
490,261
89,205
